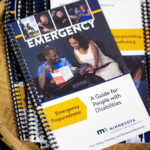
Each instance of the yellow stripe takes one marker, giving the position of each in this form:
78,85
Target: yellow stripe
22,96
129,39
96,11
12,12
67,118
18,36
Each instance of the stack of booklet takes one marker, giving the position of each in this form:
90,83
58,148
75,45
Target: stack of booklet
71,87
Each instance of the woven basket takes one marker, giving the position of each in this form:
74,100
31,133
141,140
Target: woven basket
8,129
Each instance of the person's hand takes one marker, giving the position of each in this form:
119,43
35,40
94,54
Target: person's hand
48,68
91,70
137,75
40,24
52,81
64,20
82,71
45,29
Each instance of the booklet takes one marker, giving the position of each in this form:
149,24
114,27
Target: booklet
129,35
61,75
100,99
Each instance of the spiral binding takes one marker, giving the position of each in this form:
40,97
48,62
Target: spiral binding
40,5
44,145
36,6
20,114
14,78
31,87
28,5
35,127
146,32
17,100
46,4
13,68
10,55
15,72
20,9
50,135
31,121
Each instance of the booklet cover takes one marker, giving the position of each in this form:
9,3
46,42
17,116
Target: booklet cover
97,106
128,34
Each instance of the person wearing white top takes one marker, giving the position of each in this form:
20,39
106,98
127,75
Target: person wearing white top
87,52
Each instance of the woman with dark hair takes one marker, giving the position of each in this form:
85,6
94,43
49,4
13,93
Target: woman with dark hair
85,13
87,52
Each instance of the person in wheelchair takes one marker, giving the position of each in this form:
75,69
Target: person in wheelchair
46,82
87,52
53,61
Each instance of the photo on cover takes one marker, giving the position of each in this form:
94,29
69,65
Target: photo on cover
79,61
79,12
139,139
29,27
44,22
136,65
73,58
60,17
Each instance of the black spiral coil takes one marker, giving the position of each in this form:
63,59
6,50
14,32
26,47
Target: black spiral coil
44,144
8,14
20,9
14,77
29,6
31,87
145,6
35,127
31,120
20,114
13,64
36,6
32,92
46,4
50,135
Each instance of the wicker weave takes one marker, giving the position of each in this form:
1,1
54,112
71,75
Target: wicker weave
8,128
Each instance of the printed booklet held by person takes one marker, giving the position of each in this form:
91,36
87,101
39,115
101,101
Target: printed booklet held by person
62,75
98,104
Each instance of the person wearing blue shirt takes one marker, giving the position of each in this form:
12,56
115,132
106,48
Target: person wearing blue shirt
85,13
52,62
71,11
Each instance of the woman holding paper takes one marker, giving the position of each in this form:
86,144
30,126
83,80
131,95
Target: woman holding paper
87,52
